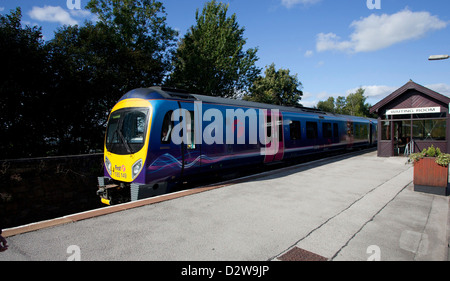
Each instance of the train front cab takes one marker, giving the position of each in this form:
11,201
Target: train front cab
125,149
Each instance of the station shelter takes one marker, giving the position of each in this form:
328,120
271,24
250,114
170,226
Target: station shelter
412,118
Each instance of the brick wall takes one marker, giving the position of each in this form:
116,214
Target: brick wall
38,189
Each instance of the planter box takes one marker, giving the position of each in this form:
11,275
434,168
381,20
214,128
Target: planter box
430,177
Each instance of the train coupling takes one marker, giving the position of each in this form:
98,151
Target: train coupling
111,192
105,193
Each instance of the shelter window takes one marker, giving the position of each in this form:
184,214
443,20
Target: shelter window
434,129
385,130
430,115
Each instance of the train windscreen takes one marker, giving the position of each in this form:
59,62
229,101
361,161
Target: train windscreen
126,130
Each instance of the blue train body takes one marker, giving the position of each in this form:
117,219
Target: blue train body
144,156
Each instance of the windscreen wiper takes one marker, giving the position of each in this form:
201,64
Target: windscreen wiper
127,146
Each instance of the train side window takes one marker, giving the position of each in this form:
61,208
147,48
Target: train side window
335,130
280,131
269,126
311,130
326,130
295,130
167,127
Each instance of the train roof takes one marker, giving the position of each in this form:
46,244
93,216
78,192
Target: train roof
177,94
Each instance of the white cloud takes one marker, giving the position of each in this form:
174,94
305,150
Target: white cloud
291,3
2,9
309,99
331,41
52,14
309,53
376,32
375,91
382,91
441,88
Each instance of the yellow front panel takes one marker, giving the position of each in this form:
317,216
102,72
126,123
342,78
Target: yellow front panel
121,165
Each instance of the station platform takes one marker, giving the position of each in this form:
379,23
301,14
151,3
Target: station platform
352,207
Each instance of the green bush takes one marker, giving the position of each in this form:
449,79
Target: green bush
442,159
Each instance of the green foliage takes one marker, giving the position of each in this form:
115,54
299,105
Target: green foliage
442,159
24,78
138,30
354,104
277,87
56,95
328,105
210,59
431,152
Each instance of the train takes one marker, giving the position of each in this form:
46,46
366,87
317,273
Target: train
157,138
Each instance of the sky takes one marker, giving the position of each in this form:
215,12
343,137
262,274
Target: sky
333,46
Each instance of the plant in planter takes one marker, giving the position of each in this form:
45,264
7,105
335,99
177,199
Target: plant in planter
431,171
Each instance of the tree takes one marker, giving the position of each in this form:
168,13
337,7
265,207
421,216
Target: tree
210,59
95,64
24,76
328,105
277,87
142,34
340,105
354,104
89,76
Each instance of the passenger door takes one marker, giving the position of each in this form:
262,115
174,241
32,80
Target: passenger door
312,134
277,138
164,158
191,149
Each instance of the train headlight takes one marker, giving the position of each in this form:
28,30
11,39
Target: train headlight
108,165
136,168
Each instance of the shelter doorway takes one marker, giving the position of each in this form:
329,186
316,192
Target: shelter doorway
402,137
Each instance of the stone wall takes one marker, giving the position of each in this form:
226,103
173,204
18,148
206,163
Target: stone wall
38,189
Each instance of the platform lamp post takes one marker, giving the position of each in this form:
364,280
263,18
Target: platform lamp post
438,57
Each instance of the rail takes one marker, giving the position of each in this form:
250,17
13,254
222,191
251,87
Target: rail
409,148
